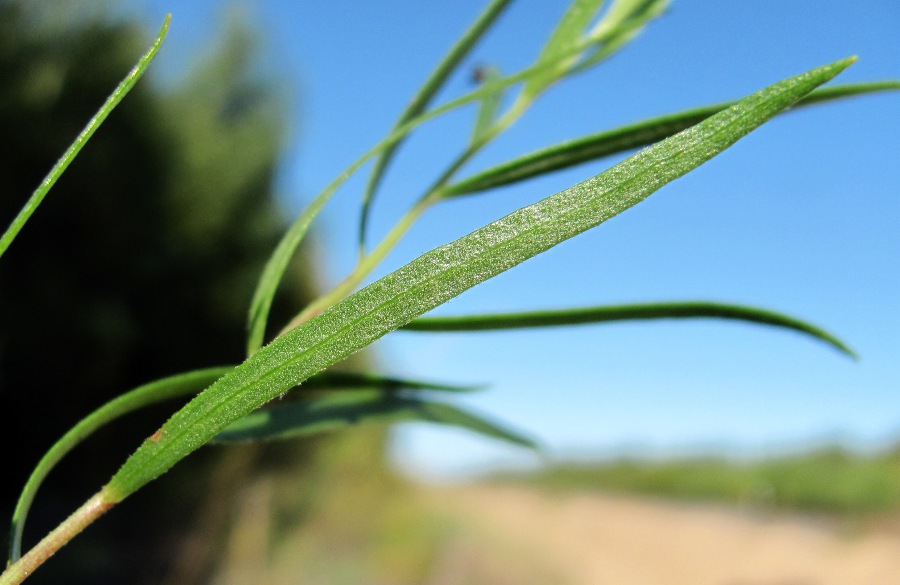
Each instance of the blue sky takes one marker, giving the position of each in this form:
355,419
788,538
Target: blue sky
800,217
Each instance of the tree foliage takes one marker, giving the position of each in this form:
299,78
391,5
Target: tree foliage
160,228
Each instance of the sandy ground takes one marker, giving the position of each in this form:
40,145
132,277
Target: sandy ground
597,539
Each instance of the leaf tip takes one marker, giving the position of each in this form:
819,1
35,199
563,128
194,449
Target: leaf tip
845,62
850,352
840,346
165,27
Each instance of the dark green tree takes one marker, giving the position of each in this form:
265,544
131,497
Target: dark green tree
140,263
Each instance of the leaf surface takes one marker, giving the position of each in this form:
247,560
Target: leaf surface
445,272
631,312
596,146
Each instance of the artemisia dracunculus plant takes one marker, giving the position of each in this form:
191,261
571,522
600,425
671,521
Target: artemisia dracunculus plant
348,318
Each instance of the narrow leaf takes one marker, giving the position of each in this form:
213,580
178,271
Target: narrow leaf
490,104
567,34
622,11
159,391
606,313
275,267
66,159
308,417
622,23
596,146
424,96
445,272
175,387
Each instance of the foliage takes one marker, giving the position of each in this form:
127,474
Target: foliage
133,268
830,480
345,320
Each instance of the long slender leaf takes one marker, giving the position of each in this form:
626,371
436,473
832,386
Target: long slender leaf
176,387
159,391
606,313
275,267
596,146
622,11
66,159
424,96
277,264
308,417
567,34
624,20
444,273
490,105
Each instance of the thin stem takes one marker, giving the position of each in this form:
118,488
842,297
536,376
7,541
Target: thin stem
368,262
61,535
423,97
364,267
496,129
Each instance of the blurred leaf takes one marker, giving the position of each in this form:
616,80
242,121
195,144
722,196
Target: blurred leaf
558,49
624,21
277,264
445,272
643,311
175,387
273,272
307,417
490,103
574,152
111,102
152,393
424,96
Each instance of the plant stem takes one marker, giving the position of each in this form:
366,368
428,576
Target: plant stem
370,261
363,268
62,534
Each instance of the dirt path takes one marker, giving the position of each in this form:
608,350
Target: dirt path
598,540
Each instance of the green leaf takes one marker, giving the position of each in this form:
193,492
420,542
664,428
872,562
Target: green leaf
606,313
596,146
308,417
161,390
274,270
558,49
623,11
445,272
624,21
573,48
66,159
424,96
490,104
277,264
176,387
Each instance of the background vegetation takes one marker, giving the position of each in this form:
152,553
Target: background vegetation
833,481
141,265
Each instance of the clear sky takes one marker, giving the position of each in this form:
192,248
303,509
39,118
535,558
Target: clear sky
801,217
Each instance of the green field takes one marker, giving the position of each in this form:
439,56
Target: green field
830,481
